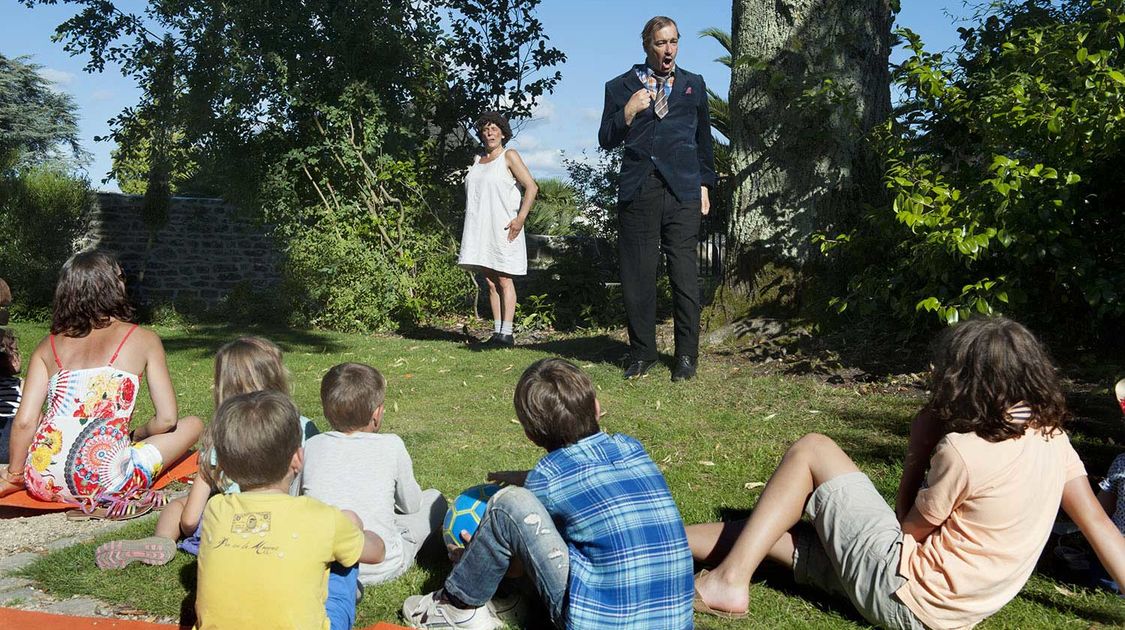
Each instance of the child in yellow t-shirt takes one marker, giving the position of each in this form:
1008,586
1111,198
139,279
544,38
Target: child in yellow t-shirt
957,550
264,556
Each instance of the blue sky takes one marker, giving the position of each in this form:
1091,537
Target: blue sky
600,38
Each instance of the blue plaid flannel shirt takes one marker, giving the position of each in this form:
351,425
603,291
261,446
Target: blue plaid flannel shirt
648,78
630,564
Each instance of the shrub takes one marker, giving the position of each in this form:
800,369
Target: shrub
1002,168
43,212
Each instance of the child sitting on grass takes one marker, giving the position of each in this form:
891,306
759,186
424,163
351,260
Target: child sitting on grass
354,467
265,555
11,388
245,365
619,557
960,548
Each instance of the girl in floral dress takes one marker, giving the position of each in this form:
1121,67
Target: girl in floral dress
87,372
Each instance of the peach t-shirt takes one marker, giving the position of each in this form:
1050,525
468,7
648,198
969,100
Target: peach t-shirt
994,504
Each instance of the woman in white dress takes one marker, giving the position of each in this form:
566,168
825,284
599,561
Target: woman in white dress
495,211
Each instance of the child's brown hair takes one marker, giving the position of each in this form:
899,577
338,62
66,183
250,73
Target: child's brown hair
350,393
255,436
985,366
9,353
556,404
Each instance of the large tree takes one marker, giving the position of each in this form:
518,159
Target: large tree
37,123
809,80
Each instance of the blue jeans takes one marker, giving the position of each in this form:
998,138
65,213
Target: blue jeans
516,525
340,604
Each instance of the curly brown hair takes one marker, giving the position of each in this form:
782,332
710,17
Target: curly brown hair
985,366
496,118
90,293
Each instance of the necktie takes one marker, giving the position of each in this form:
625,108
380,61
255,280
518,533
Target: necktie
661,107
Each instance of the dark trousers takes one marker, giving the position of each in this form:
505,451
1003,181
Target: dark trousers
652,222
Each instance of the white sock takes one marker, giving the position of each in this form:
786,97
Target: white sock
506,328
496,328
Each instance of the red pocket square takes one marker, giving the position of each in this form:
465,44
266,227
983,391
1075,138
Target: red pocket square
688,90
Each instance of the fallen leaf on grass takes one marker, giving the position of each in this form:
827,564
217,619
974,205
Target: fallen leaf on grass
408,375
770,417
507,368
813,411
1064,591
464,384
658,404
394,406
752,485
443,370
587,366
666,460
706,463
514,421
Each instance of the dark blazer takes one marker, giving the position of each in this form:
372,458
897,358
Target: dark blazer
678,145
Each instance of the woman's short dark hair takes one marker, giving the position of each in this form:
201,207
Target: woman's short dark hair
90,292
555,403
497,119
985,366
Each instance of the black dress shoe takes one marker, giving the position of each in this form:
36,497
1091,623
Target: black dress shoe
684,370
637,369
501,341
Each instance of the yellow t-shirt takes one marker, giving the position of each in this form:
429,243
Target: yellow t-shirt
994,504
263,560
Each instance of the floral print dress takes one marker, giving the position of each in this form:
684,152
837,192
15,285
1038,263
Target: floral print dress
82,452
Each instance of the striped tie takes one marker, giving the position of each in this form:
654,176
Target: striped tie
661,107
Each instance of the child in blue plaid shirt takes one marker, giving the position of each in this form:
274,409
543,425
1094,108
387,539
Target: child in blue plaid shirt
594,525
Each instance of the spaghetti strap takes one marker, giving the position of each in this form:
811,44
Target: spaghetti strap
55,352
120,345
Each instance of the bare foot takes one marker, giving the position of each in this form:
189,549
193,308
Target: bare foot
721,595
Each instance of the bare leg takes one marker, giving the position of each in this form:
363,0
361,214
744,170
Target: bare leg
711,543
507,297
492,279
168,525
173,444
811,461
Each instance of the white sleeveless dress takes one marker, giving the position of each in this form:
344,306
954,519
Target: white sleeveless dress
492,200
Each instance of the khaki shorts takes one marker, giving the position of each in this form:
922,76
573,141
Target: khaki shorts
856,550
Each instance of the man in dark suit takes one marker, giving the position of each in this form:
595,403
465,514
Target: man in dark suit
660,113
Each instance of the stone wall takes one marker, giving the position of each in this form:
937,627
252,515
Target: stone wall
204,252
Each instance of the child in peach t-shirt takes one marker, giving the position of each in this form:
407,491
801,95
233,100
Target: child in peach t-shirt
959,549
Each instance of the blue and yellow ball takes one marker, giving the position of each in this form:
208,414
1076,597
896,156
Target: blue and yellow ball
465,513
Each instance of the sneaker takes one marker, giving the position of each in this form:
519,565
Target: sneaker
511,608
118,554
429,611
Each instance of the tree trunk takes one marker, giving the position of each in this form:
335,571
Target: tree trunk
810,81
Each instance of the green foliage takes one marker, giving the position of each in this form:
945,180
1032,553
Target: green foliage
35,121
535,312
1003,170
364,249
43,210
556,207
595,182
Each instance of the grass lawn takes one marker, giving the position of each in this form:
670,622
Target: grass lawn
453,407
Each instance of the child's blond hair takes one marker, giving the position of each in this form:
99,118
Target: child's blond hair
249,364
242,366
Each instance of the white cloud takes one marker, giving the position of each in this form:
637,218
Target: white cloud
545,160
101,96
589,114
526,142
544,111
57,78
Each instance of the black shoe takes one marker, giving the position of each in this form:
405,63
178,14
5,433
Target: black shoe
639,368
501,340
684,370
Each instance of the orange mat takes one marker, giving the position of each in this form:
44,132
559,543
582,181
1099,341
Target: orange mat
180,471
14,618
